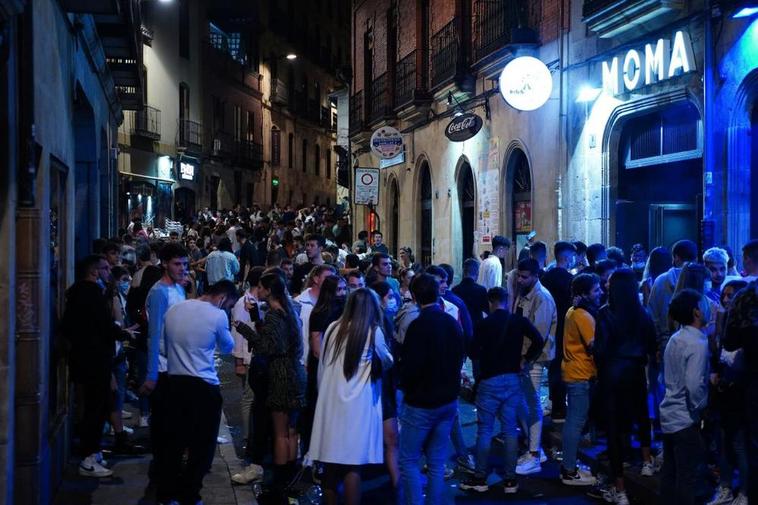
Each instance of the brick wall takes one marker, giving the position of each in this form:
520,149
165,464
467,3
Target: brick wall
550,24
441,13
406,27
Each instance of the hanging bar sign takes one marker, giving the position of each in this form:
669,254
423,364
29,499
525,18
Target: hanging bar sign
463,127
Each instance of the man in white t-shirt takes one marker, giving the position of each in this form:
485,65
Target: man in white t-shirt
491,270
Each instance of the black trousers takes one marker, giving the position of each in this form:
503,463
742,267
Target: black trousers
683,457
160,431
95,396
259,445
751,400
194,416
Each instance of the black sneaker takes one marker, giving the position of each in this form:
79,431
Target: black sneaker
577,478
478,484
510,486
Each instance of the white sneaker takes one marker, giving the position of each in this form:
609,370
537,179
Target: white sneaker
125,414
740,500
611,495
577,478
89,467
251,473
648,469
530,466
527,455
144,421
722,496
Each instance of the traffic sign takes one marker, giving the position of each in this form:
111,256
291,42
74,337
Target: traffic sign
367,186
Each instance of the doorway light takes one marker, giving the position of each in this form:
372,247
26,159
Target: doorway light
746,12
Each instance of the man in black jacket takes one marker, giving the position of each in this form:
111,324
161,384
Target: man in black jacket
430,365
88,325
498,342
473,295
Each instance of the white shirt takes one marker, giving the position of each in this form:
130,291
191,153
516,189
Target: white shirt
307,302
240,313
491,272
193,329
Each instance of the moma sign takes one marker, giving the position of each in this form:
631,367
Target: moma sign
659,61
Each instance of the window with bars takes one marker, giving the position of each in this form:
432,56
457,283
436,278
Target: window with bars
664,136
276,146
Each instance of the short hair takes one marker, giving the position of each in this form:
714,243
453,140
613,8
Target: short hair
562,246
603,266
320,269
736,284
173,233
172,250
500,241
381,288
497,295
529,265
362,235
286,261
223,287
111,247
352,261
538,249
377,257
241,233
470,267
594,253
225,244
277,271
582,284
254,275
315,237
716,255
751,250
144,253
616,254
436,271
686,250
86,264
448,270
682,305
354,273
117,272
581,247
425,289
376,232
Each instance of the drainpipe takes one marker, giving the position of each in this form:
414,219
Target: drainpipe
708,226
563,120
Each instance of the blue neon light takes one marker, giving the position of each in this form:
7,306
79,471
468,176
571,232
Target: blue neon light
745,12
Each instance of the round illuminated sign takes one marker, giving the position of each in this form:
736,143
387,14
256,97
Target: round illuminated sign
463,127
386,142
526,83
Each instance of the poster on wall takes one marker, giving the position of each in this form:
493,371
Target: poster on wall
522,217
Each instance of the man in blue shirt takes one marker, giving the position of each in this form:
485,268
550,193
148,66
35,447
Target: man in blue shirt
686,380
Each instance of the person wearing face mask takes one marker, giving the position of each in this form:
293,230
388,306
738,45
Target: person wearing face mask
686,380
639,260
193,330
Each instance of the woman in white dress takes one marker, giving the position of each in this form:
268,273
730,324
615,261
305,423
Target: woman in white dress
347,425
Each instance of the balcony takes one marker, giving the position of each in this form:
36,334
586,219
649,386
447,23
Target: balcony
230,68
248,154
445,54
190,136
220,144
609,18
279,92
381,99
147,123
410,85
357,121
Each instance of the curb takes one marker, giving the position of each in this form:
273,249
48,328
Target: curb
243,495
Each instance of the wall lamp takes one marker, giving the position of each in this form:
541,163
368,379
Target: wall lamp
746,12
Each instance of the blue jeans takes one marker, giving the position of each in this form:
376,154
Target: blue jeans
425,431
500,396
576,417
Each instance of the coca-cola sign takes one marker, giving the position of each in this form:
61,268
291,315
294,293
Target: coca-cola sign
463,127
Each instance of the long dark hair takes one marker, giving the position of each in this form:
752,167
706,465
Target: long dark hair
278,291
362,315
327,296
623,298
658,263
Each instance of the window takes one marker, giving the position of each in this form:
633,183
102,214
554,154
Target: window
305,156
328,163
237,123
291,151
250,126
218,114
184,101
276,146
317,160
184,22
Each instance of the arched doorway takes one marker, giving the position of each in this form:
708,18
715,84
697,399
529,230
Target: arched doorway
520,185
657,181
466,199
394,216
426,215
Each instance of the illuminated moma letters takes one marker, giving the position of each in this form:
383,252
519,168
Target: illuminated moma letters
658,62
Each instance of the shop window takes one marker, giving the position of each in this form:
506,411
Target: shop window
665,136
276,146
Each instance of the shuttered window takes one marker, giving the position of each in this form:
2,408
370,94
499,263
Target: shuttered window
665,136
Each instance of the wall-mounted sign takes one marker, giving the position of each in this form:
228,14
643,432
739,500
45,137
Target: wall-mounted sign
526,83
657,62
397,160
463,127
386,142
366,186
187,171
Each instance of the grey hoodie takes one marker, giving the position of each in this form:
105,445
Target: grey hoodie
658,304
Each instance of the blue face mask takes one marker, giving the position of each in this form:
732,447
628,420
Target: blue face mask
101,283
123,287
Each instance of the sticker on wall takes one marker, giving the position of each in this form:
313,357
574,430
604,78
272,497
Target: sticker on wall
463,127
526,83
386,142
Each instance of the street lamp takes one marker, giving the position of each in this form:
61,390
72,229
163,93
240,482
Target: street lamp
291,56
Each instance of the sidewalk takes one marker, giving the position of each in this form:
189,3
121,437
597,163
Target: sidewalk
129,484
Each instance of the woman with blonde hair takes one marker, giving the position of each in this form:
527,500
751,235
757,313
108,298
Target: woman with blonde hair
347,426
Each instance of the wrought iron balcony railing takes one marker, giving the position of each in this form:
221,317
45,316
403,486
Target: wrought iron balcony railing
147,123
381,98
492,27
405,80
248,154
445,45
357,121
190,135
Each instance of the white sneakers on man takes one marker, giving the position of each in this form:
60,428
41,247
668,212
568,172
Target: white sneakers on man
250,473
530,465
612,495
89,467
